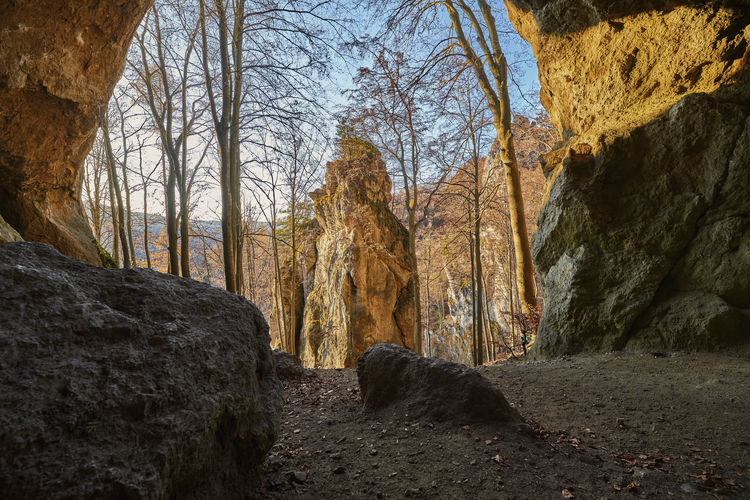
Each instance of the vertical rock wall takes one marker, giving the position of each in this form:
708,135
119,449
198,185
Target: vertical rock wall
644,242
59,62
363,290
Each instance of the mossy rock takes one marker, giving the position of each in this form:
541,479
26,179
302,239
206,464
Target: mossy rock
107,260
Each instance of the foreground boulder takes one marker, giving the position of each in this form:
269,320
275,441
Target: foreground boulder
128,383
644,242
289,366
363,288
59,62
394,379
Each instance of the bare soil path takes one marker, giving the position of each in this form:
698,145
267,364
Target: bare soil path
608,426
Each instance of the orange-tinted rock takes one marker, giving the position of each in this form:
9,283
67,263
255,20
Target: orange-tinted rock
362,292
59,62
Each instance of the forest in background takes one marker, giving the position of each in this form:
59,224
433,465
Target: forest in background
228,111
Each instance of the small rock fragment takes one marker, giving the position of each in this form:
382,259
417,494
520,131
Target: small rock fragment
297,476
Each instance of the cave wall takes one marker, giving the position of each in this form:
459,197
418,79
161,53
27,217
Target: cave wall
644,240
59,62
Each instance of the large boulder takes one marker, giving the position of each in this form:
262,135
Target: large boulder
129,383
394,379
363,289
644,242
59,62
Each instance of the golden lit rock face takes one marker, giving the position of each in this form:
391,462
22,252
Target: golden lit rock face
59,62
604,66
644,240
363,290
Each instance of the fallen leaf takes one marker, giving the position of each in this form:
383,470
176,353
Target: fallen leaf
567,494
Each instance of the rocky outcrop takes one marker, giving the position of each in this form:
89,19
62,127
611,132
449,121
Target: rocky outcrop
644,242
393,379
59,62
363,290
289,366
129,383
7,233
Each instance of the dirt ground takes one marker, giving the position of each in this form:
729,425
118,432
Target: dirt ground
609,426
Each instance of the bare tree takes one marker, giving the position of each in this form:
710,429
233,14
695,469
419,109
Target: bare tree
119,222
169,91
475,36
94,189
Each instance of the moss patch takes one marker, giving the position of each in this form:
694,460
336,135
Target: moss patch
107,260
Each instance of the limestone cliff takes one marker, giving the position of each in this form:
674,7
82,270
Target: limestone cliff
363,290
644,242
58,64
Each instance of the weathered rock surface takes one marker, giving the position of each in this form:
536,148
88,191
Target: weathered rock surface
363,289
7,233
128,383
289,365
396,379
644,242
58,64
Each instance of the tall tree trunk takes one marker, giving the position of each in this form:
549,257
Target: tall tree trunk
118,193
145,226
234,137
478,278
293,284
501,111
128,214
476,338
115,223
174,266
415,288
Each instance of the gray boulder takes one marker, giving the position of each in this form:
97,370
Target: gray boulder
645,243
289,366
394,379
129,383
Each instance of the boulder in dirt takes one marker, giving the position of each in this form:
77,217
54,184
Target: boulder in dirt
129,383
289,366
397,380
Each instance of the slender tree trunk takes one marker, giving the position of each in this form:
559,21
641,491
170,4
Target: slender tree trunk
234,137
427,293
115,223
128,214
145,226
474,336
478,264
116,184
415,289
293,285
174,260
501,111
